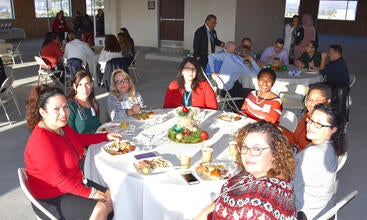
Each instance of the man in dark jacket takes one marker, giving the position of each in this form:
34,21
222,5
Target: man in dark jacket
205,40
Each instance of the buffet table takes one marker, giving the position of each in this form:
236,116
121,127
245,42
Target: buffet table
163,195
286,82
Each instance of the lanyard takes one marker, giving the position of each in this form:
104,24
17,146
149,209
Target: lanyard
187,98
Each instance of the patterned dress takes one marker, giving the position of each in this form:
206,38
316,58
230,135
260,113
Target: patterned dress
245,197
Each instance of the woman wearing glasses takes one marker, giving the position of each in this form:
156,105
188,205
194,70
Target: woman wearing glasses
318,93
123,100
190,88
316,165
262,190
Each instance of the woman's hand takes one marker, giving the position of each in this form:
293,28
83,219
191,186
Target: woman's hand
136,108
112,136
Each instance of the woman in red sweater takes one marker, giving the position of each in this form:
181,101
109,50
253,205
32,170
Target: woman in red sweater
52,157
190,88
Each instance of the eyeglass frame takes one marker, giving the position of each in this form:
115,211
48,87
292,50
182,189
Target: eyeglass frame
189,69
313,100
316,124
258,150
122,81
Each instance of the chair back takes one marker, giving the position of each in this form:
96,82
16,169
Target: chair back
41,62
352,80
288,120
2,72
341,160
7,83
111,65
334,210
23,181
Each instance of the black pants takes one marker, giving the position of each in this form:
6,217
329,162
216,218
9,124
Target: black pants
70,206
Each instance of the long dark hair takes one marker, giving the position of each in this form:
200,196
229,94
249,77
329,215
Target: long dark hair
79,75
38,98
49,37
199,74
335,120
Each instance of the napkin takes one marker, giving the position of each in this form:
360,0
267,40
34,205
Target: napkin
294,72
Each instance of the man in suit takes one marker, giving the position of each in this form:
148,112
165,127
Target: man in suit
205,40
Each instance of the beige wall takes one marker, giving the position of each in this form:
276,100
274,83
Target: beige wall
263,25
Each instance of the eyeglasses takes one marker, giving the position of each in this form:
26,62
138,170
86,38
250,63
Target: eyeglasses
122,81
255,151
317,125
314,100
189,69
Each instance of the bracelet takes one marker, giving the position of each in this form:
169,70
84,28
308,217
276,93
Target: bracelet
92,193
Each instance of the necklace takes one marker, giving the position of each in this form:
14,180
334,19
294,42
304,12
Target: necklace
263,99
61,132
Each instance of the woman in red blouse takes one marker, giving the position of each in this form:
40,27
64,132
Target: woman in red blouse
52,157
190,88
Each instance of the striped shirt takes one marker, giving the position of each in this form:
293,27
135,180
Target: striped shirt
262,109
117,109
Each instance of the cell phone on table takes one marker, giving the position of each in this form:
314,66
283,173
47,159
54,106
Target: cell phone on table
145,155
190,178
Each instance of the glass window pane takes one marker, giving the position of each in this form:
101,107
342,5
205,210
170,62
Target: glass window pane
99,4
54,6
337,10
291,8
6,9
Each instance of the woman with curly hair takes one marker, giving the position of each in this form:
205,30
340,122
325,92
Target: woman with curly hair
190,88
123,100
263,189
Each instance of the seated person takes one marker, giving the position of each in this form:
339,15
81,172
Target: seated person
317,164
111,50
275,54
318,93
84,110
263,188
263,104
52,156
311,58
230,47
52,54
123,100
190,88
232,68
76,53
247,42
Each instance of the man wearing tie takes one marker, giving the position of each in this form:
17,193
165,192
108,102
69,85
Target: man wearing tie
205,40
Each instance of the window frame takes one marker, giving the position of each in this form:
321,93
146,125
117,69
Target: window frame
285,9
12,15
345,10
68,11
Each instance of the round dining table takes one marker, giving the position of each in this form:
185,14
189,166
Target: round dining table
294,80
164,195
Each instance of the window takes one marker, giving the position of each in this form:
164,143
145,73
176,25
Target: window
337,10
6,9
89,4
291,8
51,7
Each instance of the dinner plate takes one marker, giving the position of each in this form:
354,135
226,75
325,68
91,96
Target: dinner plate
112,127
152,165
212,171
144,115
310,71
230,117
193,110
118,148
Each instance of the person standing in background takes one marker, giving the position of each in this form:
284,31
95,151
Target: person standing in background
100,23
205,40
293,36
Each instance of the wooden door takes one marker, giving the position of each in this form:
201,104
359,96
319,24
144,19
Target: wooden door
171,25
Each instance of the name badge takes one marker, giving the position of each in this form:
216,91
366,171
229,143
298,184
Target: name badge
93,111
266,108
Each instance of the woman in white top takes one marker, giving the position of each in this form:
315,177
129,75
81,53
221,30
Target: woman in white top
111,50
316,165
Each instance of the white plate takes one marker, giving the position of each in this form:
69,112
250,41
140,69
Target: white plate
112,148
230,117
155,170
225,173
311,71
111,127
193,110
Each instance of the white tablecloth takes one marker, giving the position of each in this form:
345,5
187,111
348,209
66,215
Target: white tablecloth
165,195
285,82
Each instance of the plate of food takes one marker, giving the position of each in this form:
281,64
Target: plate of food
230,116
143,115
152,165
311,71
112,127
120,147
212,171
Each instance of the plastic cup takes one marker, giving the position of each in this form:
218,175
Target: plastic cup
232,149
185,161
207,144
206,154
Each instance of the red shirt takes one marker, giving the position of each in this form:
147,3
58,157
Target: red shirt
298,137
52,163
52,54
203,96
